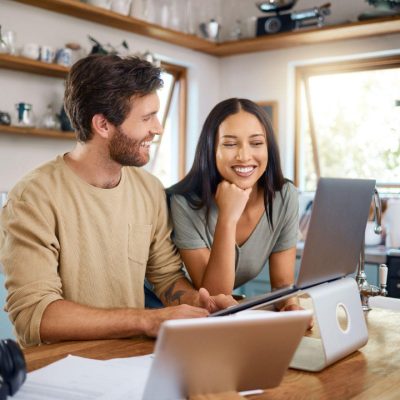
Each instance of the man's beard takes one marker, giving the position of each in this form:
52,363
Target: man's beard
126,151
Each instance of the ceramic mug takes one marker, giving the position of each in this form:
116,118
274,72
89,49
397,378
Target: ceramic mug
24,114
64,57
121,6
100,3
47,54
5,118
31,50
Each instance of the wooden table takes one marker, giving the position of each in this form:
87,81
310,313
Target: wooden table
373,372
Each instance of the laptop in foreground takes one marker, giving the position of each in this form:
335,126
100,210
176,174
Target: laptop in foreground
246,351
334,240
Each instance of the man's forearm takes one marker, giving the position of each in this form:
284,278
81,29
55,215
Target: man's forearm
180,292
65,320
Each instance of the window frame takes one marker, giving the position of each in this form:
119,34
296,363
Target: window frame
303,73
180,77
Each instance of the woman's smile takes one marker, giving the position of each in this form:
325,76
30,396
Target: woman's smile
244,171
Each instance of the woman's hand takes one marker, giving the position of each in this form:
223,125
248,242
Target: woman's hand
292,304
215,303
231,200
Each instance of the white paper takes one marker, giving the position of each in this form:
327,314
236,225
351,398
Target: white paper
78,378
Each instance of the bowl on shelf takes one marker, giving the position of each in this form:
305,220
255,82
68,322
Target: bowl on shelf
100,3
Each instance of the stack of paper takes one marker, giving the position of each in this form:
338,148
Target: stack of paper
77,378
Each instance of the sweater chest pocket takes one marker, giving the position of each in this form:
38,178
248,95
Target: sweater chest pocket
139,243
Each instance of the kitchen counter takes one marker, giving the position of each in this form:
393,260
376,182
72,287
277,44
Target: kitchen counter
373,254
369,373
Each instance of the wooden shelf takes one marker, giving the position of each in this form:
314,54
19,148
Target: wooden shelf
17,63
354,30
329,33
102,16
46,133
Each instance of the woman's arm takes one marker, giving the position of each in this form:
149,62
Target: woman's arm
281,268
215,269
281,272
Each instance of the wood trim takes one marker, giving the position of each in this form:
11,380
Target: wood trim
44,133
275,114
180,75
157,140
325,34
105,17
22,64
169,100
297,128
365,64
311,126
173,69
183,88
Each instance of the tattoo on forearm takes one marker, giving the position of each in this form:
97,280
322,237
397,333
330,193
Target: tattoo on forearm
170,296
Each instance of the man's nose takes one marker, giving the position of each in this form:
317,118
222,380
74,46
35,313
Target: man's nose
157,129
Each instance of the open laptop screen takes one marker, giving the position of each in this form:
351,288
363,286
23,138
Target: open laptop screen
335,236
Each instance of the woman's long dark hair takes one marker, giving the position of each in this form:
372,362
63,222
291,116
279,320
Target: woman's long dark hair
200,184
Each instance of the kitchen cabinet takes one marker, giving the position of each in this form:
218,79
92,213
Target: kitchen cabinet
329,33
393,284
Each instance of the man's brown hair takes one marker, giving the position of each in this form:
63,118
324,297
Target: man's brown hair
105,84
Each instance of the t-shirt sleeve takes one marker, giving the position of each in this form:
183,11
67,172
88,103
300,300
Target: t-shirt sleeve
187,225
29,253
289,232
164,265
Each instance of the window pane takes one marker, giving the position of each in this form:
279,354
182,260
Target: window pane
166,164
164,151
164,93
357,126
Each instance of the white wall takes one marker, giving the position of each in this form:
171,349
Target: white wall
270,76
18,155
259,76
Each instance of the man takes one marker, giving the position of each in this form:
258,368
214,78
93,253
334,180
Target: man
80,233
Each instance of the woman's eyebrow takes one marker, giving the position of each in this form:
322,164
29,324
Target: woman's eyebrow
230,136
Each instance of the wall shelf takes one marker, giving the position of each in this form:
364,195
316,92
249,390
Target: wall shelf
45,133
331,33
23,64
102,16
325,34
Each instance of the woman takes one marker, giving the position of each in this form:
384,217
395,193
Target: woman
234,211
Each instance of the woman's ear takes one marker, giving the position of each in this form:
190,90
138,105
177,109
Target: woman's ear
101,126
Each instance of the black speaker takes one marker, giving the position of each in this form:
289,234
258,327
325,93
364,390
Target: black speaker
12,368
275,24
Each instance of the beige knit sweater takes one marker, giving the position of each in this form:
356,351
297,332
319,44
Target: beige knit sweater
61,238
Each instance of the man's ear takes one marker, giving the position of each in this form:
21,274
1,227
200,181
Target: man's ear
101,126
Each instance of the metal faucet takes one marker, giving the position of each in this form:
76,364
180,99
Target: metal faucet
367,290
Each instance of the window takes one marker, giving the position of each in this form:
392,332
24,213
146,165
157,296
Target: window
167,154
348,122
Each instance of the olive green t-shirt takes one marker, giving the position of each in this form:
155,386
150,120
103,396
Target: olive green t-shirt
192,232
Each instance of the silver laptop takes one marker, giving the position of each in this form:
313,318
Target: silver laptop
246,351
335,236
